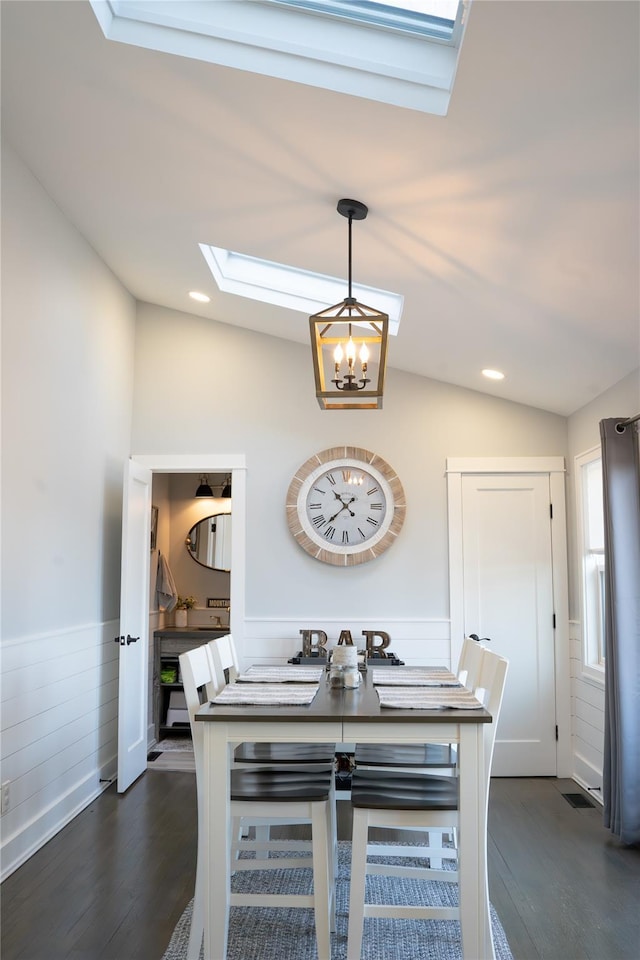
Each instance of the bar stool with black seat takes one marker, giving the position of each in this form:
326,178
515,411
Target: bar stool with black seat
428,758
432,758
412,801
282,794
226,666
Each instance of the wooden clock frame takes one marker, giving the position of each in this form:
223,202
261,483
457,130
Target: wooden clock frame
345,458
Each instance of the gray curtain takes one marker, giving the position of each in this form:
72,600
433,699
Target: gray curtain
621,483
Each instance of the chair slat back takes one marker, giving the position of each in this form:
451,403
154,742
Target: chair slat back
225,658
197,678
197,682
489,689
470,662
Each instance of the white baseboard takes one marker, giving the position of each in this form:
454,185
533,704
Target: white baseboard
17,849
588,776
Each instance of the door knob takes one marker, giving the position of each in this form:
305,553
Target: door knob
131,639
474,636
119,640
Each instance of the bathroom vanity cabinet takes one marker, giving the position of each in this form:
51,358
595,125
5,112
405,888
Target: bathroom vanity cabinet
168,644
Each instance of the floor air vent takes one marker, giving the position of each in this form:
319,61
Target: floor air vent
578,800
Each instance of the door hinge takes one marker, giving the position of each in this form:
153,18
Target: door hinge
556,731
554,621
551,510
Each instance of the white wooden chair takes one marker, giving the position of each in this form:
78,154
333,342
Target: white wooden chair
261,793
226,668
434,759
412,801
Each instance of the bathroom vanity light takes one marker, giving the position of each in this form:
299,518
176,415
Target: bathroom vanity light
204,490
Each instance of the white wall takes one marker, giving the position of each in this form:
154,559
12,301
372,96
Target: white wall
67,369
587,694
205,387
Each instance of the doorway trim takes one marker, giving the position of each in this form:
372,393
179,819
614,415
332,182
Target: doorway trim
235,464
554,468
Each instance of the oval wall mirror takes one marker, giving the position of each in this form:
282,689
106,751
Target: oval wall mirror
209,542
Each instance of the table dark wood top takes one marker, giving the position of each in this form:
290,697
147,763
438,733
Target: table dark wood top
337,704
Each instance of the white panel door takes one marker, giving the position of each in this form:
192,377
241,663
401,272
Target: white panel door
508,597
134,625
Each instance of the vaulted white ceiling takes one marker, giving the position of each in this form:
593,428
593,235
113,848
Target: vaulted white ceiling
510,226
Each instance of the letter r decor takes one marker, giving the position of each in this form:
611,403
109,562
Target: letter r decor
376,649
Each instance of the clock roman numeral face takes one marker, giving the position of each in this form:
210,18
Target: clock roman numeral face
345,506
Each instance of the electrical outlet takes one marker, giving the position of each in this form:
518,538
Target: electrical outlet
5,796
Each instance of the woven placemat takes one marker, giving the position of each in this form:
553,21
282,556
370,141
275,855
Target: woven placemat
281,674
428,698
414,677
274,694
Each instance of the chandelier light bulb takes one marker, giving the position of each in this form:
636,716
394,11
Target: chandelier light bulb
351,351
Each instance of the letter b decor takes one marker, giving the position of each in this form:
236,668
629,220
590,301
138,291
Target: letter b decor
310,649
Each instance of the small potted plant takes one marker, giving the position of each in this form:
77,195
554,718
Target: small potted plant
182,606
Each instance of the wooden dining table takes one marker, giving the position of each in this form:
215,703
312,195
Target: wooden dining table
346,716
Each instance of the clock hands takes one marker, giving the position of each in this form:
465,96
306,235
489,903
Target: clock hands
345,506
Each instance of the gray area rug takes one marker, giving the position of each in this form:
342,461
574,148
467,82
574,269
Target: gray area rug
257,933
172,754
175,743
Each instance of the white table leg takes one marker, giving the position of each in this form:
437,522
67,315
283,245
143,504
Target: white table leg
217,887
477,943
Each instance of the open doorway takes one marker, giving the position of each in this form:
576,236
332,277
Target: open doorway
189,600
137,725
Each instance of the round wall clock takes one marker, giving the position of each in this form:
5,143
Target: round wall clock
345,506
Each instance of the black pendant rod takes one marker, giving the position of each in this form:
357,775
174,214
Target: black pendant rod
350,227
353,210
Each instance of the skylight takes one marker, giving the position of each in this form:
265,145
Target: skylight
290,287
399,52
436,19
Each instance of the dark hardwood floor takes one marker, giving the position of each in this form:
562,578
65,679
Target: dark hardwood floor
112,885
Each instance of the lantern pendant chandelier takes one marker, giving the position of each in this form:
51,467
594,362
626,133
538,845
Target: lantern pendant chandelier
347,339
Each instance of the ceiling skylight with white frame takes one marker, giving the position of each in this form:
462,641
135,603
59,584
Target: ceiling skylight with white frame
436,19
379,56
290,287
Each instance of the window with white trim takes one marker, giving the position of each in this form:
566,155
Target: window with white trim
591,546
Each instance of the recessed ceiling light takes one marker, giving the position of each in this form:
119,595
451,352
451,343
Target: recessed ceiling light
493,374
200,297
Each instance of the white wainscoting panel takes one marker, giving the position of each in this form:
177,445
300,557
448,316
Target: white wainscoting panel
59,731
276,640
587,720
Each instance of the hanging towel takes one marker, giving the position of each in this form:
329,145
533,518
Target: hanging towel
166,592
